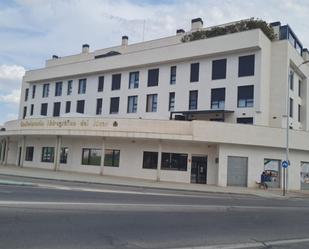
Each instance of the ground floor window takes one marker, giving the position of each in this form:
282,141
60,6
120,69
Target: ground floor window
29,153
150,160
245,120
304,175
272,171
48,154
174,161
64,155
91,157
111,158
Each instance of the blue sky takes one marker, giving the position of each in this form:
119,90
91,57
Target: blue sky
33,30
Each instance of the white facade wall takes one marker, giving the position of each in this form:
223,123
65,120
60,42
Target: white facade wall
182,88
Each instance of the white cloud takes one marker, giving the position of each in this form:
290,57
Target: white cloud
12,97
11,72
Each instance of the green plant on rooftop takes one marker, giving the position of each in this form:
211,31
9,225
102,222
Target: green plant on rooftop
232,28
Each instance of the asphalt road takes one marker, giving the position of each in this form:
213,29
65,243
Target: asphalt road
54,214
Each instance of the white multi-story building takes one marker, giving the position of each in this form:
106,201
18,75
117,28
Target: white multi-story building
204,111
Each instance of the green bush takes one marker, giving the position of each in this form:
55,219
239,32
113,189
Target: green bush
233,28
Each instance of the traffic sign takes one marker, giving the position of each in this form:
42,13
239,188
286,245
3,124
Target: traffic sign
285,164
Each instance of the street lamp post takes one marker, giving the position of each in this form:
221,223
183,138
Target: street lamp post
287,148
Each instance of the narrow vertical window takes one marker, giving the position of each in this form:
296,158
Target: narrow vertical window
56,112
292,80
26,94
25,112
99,106
194,72
299,109
299,88
44,109
133,80
45,90
82,84
80,106
67,106
64,155
33,91
173,75
100,84
151,105
31,109
69,89
132,104
114,105
116,81
193,98
171,102
58,89
291,107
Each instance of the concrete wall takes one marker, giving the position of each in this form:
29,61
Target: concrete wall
131,157
256,156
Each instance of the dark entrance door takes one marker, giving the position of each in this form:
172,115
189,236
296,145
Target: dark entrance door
19,156
199,169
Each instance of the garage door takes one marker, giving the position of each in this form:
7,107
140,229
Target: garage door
237,171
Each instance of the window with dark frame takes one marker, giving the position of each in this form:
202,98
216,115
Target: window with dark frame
29,153
91,157
64,155
245,120
99,106
133,80
69,89
26,94
299,109
48,154
194,72
150,160
291,107
67,106
245,96
218,98
100,83
151,102
45,92
25,112
33,91
111,158
82,85
132,104
153,77
80,106
171,101
292,80
299,88
174,161
44,109
114,105
173,75
56,111
58,89
193,99
218,69
116,81
31,109
246,65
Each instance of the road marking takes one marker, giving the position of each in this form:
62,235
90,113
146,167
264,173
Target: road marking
60,187
163,207
250,245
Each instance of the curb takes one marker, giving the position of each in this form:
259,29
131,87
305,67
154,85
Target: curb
146,187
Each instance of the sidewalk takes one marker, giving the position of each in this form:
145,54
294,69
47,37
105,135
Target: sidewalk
124,181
